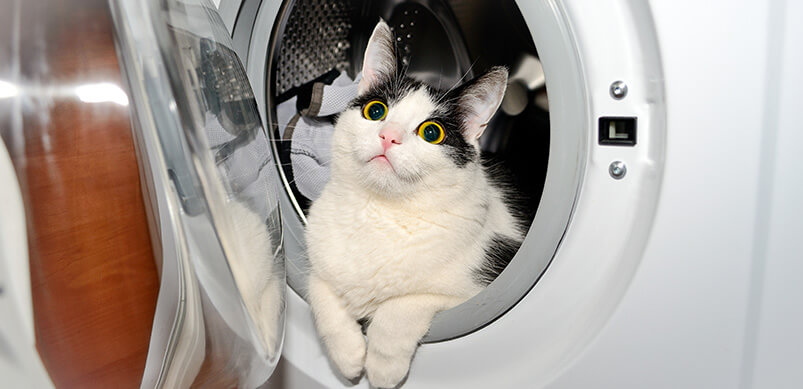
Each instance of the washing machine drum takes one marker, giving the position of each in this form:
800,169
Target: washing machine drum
321,36
440,43
306,58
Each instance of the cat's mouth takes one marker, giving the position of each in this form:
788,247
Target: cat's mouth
382,159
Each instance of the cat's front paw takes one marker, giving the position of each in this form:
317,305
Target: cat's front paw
348,354
386,371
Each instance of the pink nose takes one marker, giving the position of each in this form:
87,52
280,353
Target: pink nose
389,138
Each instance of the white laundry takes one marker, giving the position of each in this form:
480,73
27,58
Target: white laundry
311,133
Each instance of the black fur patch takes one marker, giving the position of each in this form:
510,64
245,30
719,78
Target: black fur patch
498,254
364,323
391,90
517,203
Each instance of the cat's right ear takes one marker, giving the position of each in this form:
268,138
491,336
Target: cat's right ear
379,62
480,99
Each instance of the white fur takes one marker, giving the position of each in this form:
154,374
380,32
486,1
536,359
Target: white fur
397,242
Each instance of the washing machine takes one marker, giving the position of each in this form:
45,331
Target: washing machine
656,143
648,136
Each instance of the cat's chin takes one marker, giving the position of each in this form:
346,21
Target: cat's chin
380,177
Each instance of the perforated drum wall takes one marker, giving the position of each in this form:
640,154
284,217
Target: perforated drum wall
315,41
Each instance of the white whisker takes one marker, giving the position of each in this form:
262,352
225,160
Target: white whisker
458,81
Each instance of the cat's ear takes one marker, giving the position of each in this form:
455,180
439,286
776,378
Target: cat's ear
380,57
480,99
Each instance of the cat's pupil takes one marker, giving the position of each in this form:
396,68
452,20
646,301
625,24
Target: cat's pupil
431,133
376,111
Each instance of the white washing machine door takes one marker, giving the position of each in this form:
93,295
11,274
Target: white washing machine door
211,190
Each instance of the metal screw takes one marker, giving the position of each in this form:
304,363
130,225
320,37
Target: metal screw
617,170
619,90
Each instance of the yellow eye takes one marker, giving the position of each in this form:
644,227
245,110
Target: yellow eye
375,110
431,132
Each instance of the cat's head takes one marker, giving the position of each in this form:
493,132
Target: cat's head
399,134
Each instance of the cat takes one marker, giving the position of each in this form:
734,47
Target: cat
410,222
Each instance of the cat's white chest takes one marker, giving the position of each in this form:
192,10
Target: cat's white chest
370,252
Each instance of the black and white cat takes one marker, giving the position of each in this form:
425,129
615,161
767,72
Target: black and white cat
410,222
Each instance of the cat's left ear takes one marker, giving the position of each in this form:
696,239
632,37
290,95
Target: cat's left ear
480,99
379,62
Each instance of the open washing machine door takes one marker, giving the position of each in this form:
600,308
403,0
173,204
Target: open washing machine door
211,192
111,197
